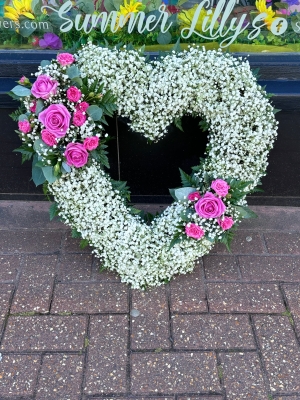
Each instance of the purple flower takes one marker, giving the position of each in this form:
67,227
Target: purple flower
51,40
292,2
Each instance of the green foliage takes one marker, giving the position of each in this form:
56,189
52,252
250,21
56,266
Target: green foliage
83,243
178,237
15,115
26,151
100,155
188,180
122,188
75,234
178,123
228,236
245,212
53,211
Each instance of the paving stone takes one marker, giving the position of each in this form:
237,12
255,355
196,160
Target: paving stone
283,242
25,241
174,373
75,267
60,377
274,218
35,285
244,297
242,376
150,329
94,297
212,332
280,352
134,398
5,296
9,267
287,398
103,275
59,333
270,268
18,375
221,267
200,397
72,245
188,292
27,214
107,355
244,242
293,295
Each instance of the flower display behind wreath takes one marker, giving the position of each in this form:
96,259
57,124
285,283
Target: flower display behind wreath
62,126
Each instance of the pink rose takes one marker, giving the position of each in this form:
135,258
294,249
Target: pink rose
44,87
23,79
194,231
48,137
220,187
76,154
65,59
91,143
56,118
79,118
210,206
24,126
194,196
73,94
226,223
83,106
33,107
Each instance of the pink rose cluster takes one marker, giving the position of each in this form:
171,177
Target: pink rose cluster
220,187
56,119
24,126
65,59
194,231
44,87
76,153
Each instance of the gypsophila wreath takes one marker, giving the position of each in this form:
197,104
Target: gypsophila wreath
61,125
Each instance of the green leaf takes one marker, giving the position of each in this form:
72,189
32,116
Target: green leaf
76,82
65,168
75,234
245,212
39,145
176,46
21,91
172,193
83,243
164,38
94,112
182,193
109,6
53,211
38,176
282,5
23,117
73,72
39,106
44,63
49,174
178,124
186,179
26,28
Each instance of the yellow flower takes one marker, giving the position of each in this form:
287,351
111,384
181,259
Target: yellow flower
133,6
185,18
261,5
20,7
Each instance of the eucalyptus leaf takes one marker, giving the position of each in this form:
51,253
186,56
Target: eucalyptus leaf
44,63
77,82
38,176
73,72
39,145
23,117
182,193
87,6
21,91
117,3
49,174
26,28
65,168
164,38
39,106
95,112
109,6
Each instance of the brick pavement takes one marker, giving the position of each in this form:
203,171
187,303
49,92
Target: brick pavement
228,331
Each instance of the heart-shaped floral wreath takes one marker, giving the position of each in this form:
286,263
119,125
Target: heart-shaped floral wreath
61,124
